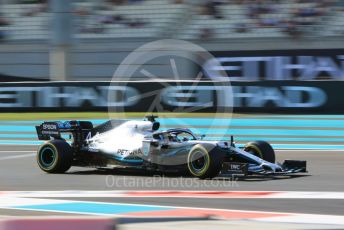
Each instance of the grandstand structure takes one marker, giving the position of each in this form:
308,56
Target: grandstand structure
104,32
180,19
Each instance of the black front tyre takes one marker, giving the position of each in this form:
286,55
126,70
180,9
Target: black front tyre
261,149
204,163
55,156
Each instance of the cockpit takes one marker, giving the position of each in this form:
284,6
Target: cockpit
175,135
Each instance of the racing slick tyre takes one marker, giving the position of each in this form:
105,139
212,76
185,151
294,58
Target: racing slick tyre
202,163
55,156
261,149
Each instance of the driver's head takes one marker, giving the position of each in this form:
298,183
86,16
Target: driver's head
172,137
165,136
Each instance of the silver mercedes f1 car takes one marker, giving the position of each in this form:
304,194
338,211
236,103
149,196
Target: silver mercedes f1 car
140,144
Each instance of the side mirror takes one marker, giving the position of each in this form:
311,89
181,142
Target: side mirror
232,141
202,136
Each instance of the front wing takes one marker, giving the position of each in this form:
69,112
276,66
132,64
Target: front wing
288,167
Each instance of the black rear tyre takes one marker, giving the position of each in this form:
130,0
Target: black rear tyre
204,163
261,149
55,156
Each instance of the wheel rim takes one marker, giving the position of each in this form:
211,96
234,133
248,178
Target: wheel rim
47,157
254,151
198,161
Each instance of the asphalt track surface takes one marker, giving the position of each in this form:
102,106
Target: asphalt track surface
19,172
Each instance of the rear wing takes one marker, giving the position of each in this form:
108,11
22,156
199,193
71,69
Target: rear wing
53,129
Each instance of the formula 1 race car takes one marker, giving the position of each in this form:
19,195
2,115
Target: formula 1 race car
140,144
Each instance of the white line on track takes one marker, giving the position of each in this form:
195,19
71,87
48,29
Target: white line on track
287,217
309,150
17,156
179,194
12,203
17,151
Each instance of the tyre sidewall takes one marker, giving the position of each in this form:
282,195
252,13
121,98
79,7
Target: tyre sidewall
262,149
63,156
214,164
56,155
198,148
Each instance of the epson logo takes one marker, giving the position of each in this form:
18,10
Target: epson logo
49,127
